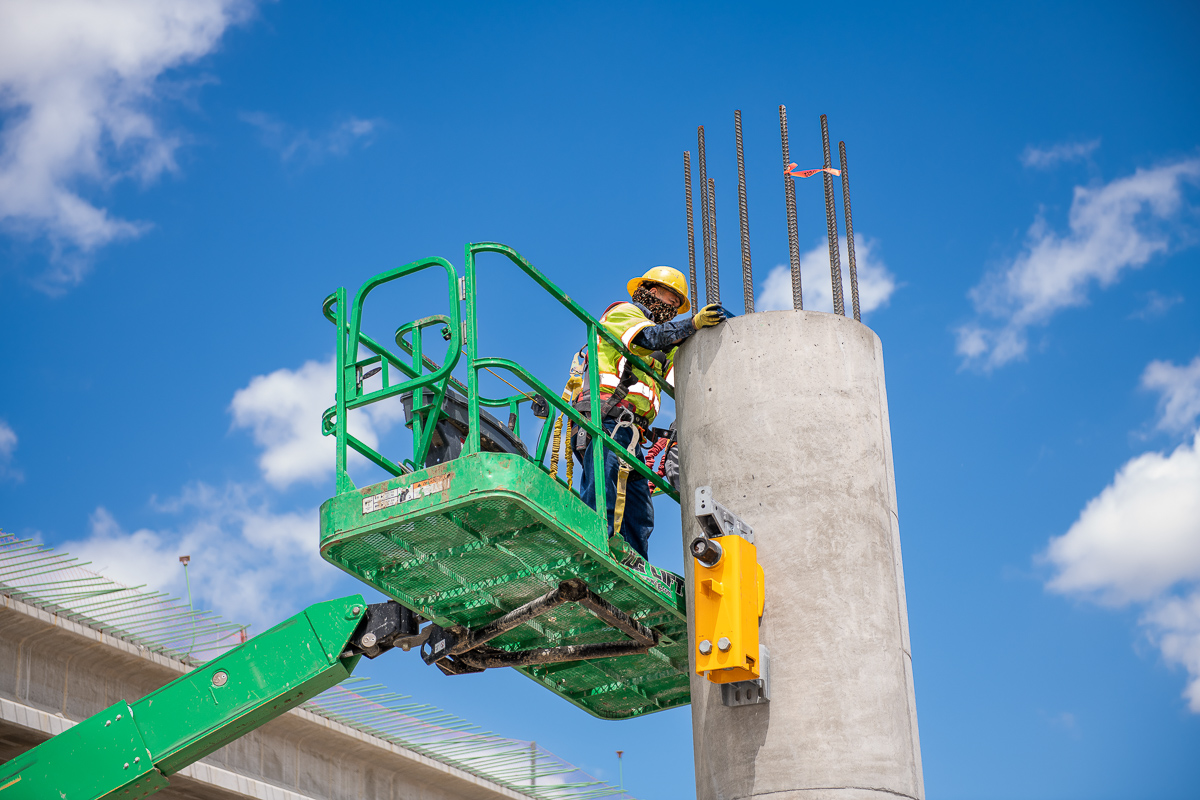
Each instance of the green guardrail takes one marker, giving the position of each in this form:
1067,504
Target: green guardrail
469,540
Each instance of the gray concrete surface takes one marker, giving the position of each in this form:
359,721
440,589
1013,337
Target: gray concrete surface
784,414
55,672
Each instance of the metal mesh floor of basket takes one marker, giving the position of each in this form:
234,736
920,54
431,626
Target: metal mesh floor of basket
478,542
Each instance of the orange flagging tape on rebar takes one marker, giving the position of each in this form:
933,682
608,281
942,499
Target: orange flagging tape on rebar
808,173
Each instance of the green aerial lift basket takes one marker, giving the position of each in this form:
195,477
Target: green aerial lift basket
478,536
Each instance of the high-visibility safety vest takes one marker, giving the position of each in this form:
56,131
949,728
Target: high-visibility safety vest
625,321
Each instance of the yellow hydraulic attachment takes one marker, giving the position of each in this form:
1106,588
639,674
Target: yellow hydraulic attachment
730,595
729,602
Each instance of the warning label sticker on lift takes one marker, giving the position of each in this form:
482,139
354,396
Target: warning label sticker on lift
394,497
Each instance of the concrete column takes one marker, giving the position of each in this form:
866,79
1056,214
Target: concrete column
784,414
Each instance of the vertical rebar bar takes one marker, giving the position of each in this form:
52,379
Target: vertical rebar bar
849,230
835,251
747,276
687,187
789,196
712,287
704,234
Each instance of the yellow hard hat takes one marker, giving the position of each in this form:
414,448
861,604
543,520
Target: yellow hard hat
664,276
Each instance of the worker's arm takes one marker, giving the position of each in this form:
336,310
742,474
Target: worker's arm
665,336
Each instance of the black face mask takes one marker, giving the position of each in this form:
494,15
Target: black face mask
660,312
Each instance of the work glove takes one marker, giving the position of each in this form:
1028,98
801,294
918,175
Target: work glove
710,315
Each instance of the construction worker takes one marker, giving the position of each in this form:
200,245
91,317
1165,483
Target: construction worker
630,398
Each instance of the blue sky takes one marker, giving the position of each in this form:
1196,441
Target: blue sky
181,184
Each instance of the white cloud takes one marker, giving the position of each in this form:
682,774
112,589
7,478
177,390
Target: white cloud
248,562
1140,536
8,446
78,81
1174,624
1112,228
875,282
1045,158
8,441
1179,403
1138,541
302,146
1157,305
283,412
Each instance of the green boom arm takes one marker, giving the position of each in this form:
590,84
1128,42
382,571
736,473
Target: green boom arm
128,750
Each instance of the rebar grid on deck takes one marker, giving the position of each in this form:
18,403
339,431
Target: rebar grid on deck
59,583
40,576
519,765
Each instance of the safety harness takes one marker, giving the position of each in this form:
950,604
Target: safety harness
569,394
573,393
625,420
609,408
666,444
610,405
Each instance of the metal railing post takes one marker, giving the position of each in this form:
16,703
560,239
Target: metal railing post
344,484
472,444
417,402
598,453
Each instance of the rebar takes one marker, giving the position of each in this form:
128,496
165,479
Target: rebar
704,226
789,196
849,230
712,287
747,277
159,625
835,252
687,189
151,619
521,766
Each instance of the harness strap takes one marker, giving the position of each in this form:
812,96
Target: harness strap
570,392
609,408
666,439
624,421
628,379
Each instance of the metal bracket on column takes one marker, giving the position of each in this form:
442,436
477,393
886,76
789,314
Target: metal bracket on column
750,693
717,520
728,598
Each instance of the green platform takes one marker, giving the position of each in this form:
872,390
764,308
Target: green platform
474,523
478,538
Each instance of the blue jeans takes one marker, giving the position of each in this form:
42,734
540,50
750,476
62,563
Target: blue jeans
638,521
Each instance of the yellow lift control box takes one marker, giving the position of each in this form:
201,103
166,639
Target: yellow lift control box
729,598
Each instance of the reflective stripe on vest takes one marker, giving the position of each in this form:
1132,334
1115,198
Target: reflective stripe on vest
625,320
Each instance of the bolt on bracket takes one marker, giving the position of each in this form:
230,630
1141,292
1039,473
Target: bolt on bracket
716,520
750,693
